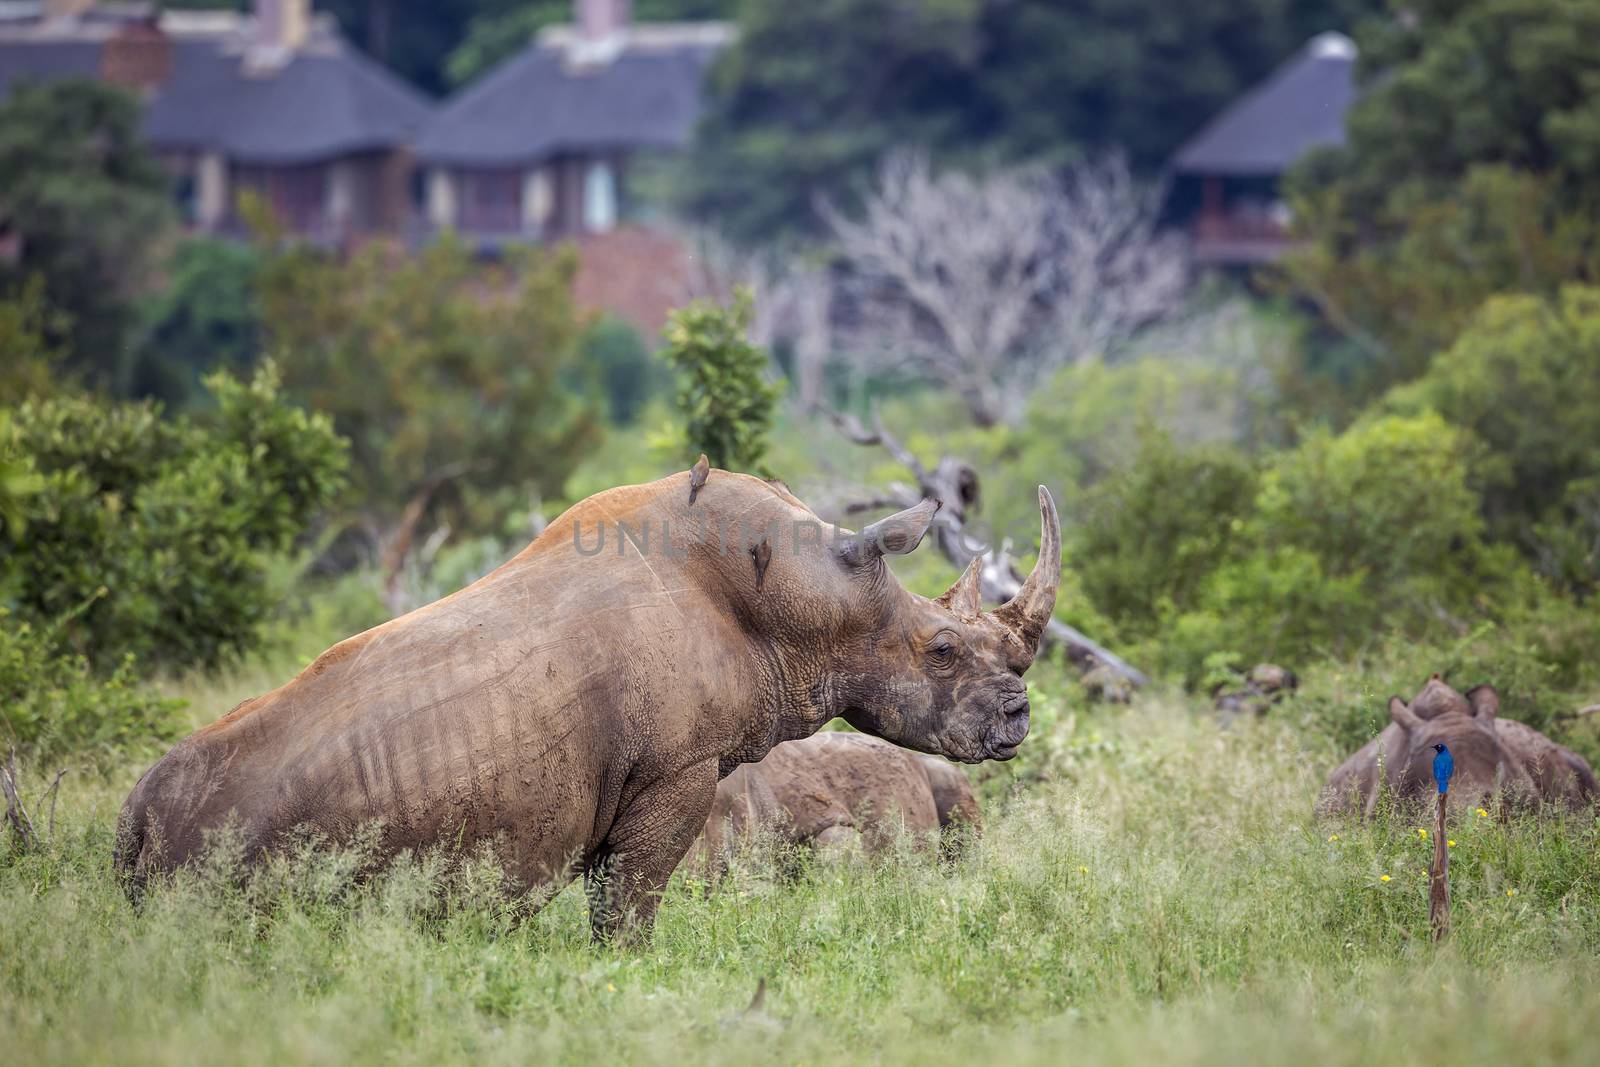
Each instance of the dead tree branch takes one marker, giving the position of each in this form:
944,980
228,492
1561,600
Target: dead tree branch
954,484
16,814
985,283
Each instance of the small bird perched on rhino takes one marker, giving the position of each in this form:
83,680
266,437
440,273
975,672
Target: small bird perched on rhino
1462,737
837,790
575,708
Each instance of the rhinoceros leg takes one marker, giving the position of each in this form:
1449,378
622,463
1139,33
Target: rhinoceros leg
625,879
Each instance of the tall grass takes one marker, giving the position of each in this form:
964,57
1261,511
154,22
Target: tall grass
1149,889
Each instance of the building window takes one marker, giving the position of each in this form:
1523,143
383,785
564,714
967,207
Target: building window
599,197
489,201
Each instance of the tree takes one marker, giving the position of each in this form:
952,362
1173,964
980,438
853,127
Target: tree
451,379
723,395
88,204
983,284
1524,380
1062,78
813,95
29,361
205,317
1471,168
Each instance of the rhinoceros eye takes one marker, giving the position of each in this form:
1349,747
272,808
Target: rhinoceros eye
942,650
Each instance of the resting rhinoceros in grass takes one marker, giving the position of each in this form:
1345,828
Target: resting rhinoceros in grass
836,790
1493,756
576,707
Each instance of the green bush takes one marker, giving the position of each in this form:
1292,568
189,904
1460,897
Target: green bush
205,318
1146,539
1343,539
724,395
1389,498
51,701
615,353
1524,379
449,377
172,519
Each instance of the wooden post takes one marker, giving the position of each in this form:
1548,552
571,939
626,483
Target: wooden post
1439,878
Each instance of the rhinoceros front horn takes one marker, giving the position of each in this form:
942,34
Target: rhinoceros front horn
1028,613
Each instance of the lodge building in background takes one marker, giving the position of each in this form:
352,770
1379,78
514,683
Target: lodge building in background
550,144
275,102
1226,179
544,145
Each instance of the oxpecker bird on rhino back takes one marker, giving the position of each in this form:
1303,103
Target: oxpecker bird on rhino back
576,707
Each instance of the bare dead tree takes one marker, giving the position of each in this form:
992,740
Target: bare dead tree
954,483
984,283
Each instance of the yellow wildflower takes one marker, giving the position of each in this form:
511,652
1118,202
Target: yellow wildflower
1333,837
1385,878
610,988
1482,814
1451,843
1083,870
1511,892
1422,833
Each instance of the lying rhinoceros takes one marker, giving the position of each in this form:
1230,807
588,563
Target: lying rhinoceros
836,789
576,707
1492,756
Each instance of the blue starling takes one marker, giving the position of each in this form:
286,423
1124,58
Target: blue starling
1444,765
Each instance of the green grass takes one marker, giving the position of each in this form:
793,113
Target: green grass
1149,889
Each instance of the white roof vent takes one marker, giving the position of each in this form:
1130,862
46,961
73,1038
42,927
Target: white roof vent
1332,45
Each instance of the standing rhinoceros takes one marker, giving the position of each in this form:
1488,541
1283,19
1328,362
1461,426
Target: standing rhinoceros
1492,756
577,706
840,790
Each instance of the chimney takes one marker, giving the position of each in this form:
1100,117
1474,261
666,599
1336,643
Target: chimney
60,9
138,56
601,20
282,25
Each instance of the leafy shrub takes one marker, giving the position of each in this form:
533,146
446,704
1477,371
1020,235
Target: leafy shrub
1346,537
723,393
615,353
441,371
51,701
1389,499
205,318
1524,379
1145,539
27,355
172,519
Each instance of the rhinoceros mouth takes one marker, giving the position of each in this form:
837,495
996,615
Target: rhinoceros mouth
1009,733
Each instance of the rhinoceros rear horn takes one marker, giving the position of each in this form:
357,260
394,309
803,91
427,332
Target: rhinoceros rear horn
1028,613
895,534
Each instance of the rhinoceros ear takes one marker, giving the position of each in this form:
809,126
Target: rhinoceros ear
1402,715
1485,701
965,598
895,534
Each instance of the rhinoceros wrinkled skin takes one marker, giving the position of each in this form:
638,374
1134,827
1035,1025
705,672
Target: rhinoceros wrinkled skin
837,790
576,707
1493,757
